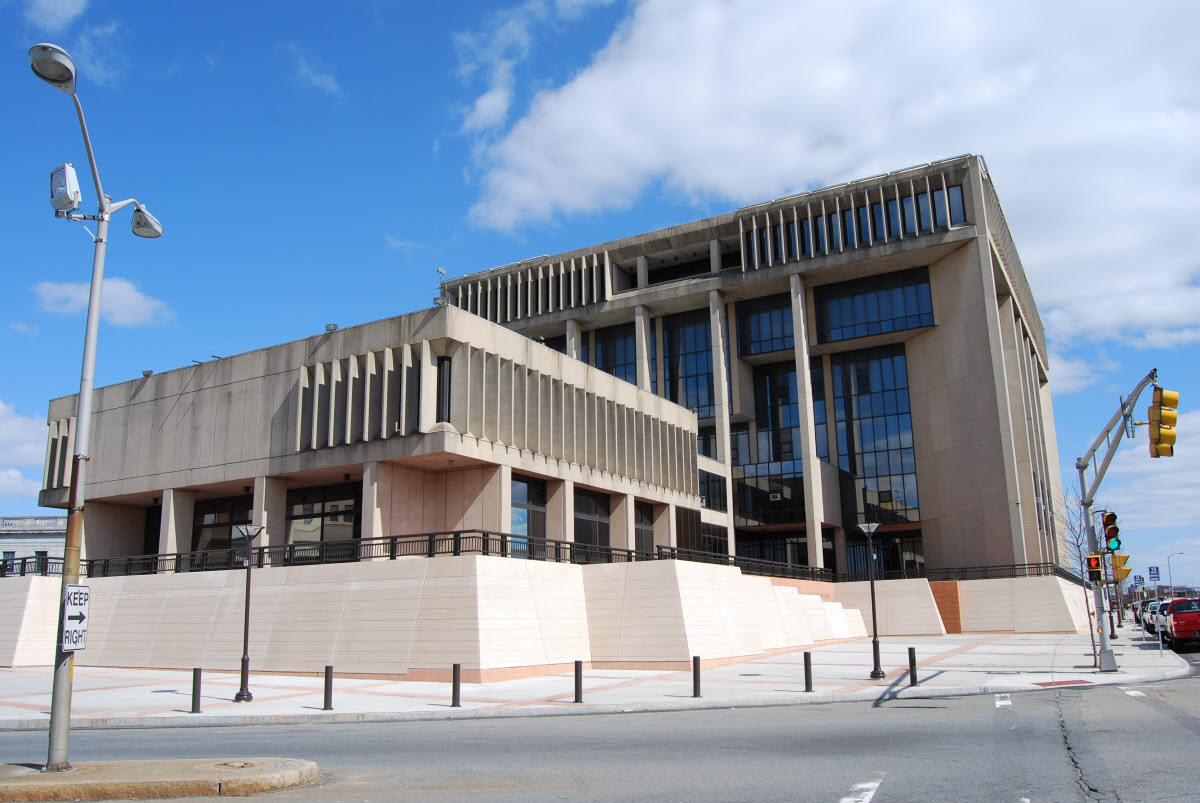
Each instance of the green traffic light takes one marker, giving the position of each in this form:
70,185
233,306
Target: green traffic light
1114,544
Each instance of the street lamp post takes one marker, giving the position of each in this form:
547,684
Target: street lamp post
248,532
1170,576
869,531
54,66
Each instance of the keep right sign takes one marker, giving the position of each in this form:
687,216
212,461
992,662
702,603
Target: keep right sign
75,615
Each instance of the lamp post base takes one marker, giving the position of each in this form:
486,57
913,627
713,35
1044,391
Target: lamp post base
876,672
244,695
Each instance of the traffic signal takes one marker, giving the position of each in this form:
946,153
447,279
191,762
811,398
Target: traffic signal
1095,568
1162,416
1120,572
1111,532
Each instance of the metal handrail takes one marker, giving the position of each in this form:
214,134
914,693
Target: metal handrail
34,565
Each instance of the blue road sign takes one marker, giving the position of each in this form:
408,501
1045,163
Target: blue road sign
1153,574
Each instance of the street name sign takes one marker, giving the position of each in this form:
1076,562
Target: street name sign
75,616
1153,574
1138,580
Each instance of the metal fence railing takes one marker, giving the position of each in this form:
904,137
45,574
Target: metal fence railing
484,542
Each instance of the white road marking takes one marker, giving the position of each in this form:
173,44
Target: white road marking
1133,692
862,792
1003,701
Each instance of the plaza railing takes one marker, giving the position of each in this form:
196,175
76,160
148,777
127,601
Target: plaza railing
37,565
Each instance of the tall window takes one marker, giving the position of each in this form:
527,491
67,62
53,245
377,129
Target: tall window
214,520
765,325
820,420
325,514
889,302
776,412
591,518
874,431
443,389
616,352
712,491
687,364
643,527
528,514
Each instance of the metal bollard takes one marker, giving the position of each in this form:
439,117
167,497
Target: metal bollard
912,666
196,690
579,681
455,683
695,675
808,671
328,688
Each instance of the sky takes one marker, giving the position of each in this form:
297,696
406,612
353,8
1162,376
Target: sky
316,163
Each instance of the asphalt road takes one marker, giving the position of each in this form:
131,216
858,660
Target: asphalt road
1105,743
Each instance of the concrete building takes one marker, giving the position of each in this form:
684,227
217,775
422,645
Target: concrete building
868,352
29,544
588,456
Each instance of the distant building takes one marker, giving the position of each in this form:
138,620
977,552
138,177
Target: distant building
29,543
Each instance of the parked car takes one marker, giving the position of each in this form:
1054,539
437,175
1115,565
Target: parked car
1181,622
1160,614
1148,616
1138,607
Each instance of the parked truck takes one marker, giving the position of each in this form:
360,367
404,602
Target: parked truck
1181,622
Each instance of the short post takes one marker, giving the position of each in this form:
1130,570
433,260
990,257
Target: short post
912,666
696,676
455,682
808,671
328,689
579,681
196,690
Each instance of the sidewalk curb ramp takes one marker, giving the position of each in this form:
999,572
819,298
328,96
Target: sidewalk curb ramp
139,780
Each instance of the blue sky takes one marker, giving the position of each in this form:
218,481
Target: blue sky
316,163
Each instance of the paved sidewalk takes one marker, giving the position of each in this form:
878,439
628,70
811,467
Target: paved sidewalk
147,698
946,665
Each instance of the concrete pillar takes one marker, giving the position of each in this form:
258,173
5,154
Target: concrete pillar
621,522
642,332
814,496
427,404
643,272
175,530
573,338
714,256
270,510
560,510
720,334
377,484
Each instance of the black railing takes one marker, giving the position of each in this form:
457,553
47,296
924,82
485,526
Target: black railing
768,568
36,565
483,542
424,545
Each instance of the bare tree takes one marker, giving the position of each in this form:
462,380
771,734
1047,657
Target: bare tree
1074,524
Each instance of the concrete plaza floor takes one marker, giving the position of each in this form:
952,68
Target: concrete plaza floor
946,665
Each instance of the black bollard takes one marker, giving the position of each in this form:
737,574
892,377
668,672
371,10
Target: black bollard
579,681
328,688
196,690
912,666
455,683
808,671
695,675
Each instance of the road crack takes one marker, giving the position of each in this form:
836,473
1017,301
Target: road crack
1088,791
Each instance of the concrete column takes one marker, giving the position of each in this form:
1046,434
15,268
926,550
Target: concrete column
643,272
814,496
621,522
642,333
427,406
377,511
714,256
175,531
573,338
560,510
720,334
270,510
659,376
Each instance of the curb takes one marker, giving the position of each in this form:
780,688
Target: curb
800,698
105,780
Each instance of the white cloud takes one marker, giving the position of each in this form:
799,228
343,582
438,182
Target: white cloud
22,438
313,71
53,15
23,328
1087,116
99,55
396,244
1155,494
121,304
15,486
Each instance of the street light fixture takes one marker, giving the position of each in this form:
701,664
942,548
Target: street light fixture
869,531
1170,577
54,66
248,532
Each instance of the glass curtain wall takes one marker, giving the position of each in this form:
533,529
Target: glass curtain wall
528,517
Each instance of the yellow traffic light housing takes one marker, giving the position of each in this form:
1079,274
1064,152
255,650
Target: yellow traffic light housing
1162,416
1112,541
1120,574
1118,562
